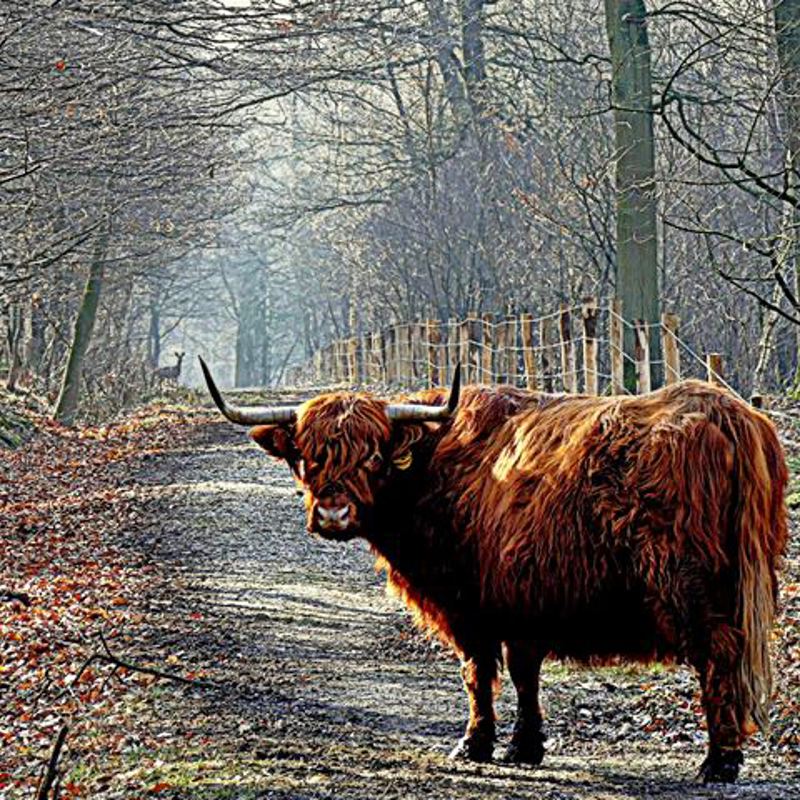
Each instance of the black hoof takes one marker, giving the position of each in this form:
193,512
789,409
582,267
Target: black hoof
721,766
473,748
527,751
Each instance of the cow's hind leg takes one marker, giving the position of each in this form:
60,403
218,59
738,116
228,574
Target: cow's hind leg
524,662
726,731
479,671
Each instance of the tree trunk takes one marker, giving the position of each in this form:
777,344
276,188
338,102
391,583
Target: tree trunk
637,233
474,58
444,53
766,344
787,36
36,343
154,331
67,404
15,332
251,330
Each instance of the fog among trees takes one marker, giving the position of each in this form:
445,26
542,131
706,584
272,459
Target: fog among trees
249,180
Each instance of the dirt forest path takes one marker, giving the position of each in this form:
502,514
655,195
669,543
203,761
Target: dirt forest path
325,689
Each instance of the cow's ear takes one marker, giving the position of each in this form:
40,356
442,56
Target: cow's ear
404,437
277,440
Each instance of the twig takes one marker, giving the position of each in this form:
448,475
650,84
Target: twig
93,657
9,594
110,658
52,765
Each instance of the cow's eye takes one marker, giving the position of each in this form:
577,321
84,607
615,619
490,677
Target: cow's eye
307,470
373,463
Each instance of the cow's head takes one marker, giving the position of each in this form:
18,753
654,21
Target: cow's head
344,448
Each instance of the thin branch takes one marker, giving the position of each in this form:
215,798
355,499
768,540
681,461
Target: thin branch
763,300
110,658
10,595
52,765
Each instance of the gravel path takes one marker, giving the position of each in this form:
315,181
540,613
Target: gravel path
326,689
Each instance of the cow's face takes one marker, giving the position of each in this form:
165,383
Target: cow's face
344,450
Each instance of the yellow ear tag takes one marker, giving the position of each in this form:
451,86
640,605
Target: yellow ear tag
403,462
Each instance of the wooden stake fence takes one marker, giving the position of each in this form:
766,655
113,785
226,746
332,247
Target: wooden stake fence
543,353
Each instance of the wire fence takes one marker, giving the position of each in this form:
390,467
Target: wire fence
579,348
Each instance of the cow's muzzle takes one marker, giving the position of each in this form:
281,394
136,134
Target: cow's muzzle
334,521
333,517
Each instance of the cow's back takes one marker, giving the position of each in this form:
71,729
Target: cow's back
579,511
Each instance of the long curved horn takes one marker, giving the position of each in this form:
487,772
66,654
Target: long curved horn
411,412
255,415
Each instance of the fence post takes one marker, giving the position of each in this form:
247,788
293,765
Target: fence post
400,347
376,358
356,359
487,348
365,357
442,351
433,340
500,339
589,313
642,356
616,336
344,360
546,342
344,350
335,361
371,362
317,361
510,355
453,349
569,375
408,352
528,353
416,367
464,350
714,369
351,347
392,365
330,362
423,367
669,345
383,354
475,339
512,363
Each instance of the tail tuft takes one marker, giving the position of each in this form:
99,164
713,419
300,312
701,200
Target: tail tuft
761,532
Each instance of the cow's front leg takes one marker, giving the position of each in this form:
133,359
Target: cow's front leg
524,661
480,675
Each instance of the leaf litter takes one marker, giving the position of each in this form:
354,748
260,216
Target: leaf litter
320,686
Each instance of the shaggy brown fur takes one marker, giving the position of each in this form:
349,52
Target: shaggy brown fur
593,528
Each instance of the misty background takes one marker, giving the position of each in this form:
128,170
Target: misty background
250,180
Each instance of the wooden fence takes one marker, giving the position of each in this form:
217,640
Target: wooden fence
573,349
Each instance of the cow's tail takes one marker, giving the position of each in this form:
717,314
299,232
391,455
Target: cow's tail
760,531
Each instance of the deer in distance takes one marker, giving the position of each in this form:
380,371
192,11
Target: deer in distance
170,373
